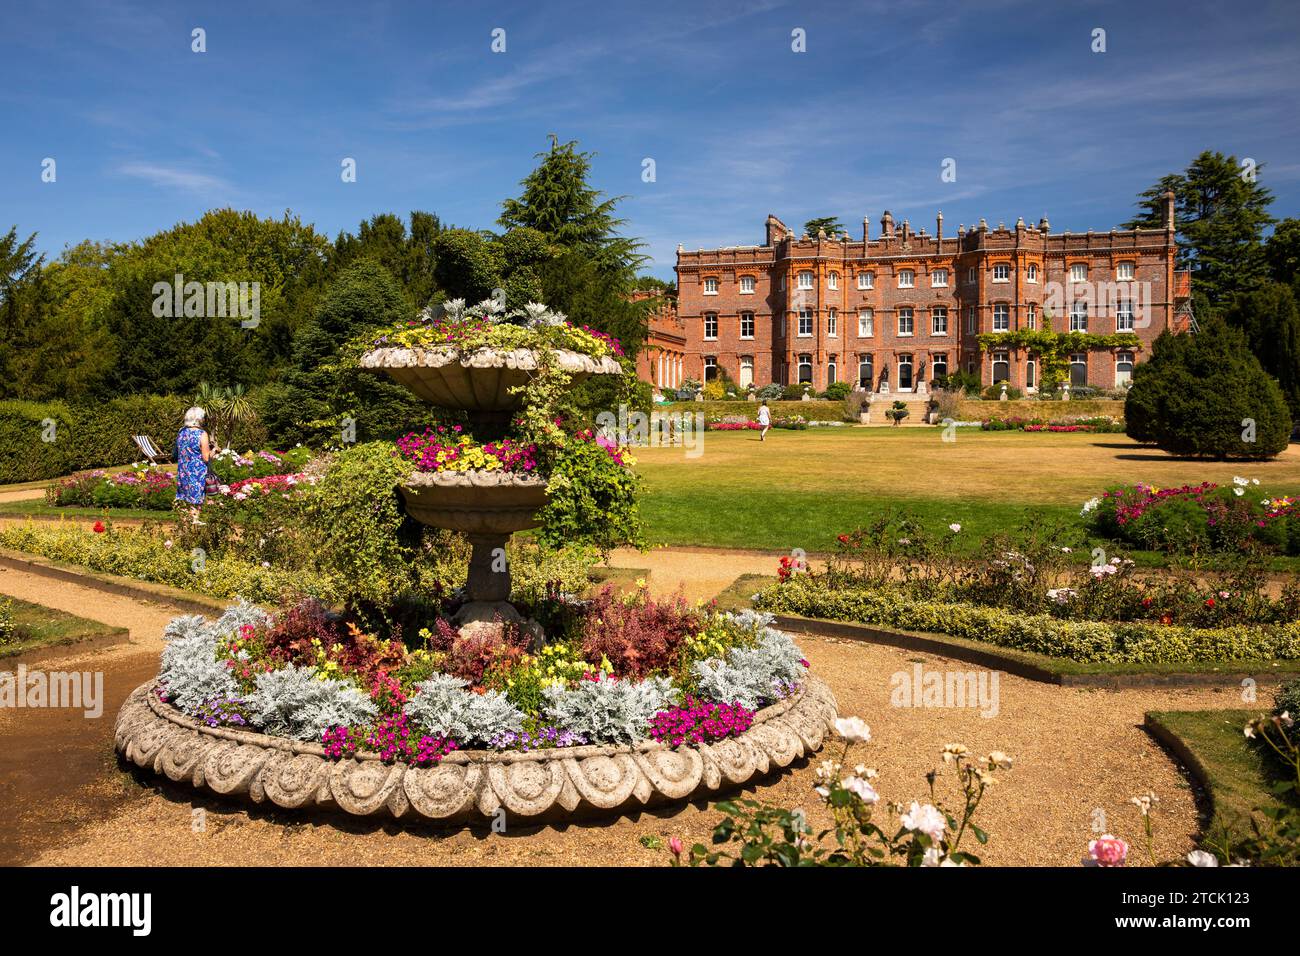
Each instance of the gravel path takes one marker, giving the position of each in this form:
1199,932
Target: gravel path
1079,754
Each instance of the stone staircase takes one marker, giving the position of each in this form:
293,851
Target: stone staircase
917,407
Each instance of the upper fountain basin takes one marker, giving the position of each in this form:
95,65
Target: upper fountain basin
481,380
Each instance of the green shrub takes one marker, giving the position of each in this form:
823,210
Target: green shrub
1130,642
771,392
1287,699
994,393
793,393
1206,395
365,539
837,391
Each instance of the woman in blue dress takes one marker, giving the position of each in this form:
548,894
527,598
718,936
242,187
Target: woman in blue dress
193,452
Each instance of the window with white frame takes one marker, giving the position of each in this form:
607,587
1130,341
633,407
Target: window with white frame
832,322
1001,317
1124,272
746,285
805,280
1001,367
710,368
747,325
972,323
710,325
805,321
906,278
1078,368
832,370
939,278
710,286
1001,272
1078,272
866,323
1124,315
1123,368
1079,316
905,321
866,280
1031,316
805,368
938,366
833,280
971,274
1031,272
939,320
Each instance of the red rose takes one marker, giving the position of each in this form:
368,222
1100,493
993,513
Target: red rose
99,527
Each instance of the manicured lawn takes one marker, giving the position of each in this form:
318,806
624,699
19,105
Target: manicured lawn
1238,775
41,626
801,489
37,507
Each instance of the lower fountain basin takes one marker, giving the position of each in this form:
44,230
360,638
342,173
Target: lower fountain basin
475,502
472,786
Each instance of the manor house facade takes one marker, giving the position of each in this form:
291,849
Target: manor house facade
894,312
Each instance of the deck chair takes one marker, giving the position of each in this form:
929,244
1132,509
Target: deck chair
149,449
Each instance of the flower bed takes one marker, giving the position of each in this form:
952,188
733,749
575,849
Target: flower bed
487,325
1193,518
368,725
154,489
728,423
449,448
142,487
1030,593
1129,642
620,671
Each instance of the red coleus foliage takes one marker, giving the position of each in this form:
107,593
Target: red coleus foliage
637,636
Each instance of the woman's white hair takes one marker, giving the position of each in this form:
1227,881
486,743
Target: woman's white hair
194,417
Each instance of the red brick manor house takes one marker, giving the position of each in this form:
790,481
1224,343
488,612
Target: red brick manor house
892,313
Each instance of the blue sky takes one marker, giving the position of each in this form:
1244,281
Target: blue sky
146,133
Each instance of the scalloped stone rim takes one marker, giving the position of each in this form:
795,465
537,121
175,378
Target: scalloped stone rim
474,477
438,356
467,785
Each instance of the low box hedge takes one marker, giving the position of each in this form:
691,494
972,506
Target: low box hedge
1129,642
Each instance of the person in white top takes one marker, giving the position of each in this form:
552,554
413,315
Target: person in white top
764,421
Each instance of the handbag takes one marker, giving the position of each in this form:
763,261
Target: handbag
211,486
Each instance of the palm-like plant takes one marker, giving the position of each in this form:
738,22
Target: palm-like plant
227,408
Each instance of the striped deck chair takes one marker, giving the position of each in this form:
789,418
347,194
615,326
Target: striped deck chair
149,449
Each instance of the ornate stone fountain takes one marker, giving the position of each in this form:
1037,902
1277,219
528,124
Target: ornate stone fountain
488,507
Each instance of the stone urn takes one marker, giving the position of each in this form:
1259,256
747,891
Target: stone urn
487,506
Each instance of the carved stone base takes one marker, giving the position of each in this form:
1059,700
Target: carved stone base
541,786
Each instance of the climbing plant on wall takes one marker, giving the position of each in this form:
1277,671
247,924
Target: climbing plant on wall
1053,348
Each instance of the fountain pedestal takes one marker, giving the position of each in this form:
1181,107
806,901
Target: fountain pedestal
487,506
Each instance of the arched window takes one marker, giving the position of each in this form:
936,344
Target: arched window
710,367
865,376
1001,367
805,368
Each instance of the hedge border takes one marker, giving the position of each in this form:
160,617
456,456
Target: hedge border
1027,664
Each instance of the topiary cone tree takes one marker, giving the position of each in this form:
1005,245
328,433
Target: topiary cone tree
1205,394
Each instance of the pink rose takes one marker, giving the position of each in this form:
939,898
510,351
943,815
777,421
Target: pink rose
1108,851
